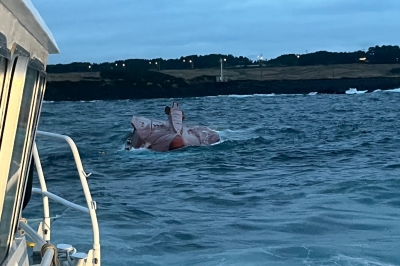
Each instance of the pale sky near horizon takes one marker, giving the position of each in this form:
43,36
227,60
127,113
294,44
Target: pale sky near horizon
99,31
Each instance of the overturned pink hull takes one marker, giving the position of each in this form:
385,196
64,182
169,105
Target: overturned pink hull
168,135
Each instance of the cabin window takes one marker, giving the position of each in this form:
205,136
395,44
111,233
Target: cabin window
39,101
3,72
3,69
19,161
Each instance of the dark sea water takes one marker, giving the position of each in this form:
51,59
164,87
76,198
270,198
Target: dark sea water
297,180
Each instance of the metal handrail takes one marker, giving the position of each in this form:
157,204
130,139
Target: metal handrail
61,200
46,230
49,253
91,209
32,234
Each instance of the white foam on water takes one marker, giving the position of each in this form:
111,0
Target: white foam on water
239,96
93,101
249,95
219,142
347,260
265,95
394,90
134,149
295,94
242,134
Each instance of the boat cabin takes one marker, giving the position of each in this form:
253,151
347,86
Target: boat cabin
25,43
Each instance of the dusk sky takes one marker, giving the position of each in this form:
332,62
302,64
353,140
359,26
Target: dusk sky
105,31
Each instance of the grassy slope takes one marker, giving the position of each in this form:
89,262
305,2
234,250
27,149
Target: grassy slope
268,73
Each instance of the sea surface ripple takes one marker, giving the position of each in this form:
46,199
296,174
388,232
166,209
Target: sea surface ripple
296,180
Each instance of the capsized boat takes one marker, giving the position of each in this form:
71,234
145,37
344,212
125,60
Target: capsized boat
168,135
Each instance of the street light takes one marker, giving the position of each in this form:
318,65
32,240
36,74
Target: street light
221,78
260,59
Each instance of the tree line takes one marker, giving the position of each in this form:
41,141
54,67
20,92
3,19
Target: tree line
186,62
386,54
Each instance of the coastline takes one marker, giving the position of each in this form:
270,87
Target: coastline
330,79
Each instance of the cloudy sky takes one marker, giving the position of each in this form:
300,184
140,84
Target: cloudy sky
108,30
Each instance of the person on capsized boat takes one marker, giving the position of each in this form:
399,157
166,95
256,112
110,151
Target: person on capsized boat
168,135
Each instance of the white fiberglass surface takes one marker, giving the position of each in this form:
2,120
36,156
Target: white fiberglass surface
40,20
17,163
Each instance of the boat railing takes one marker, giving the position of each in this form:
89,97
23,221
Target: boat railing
93,254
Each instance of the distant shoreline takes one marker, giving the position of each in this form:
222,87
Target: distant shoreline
197,83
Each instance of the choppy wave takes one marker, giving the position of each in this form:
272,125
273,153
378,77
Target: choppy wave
394,90
251,95
294,181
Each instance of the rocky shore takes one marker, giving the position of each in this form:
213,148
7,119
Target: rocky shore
159,84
